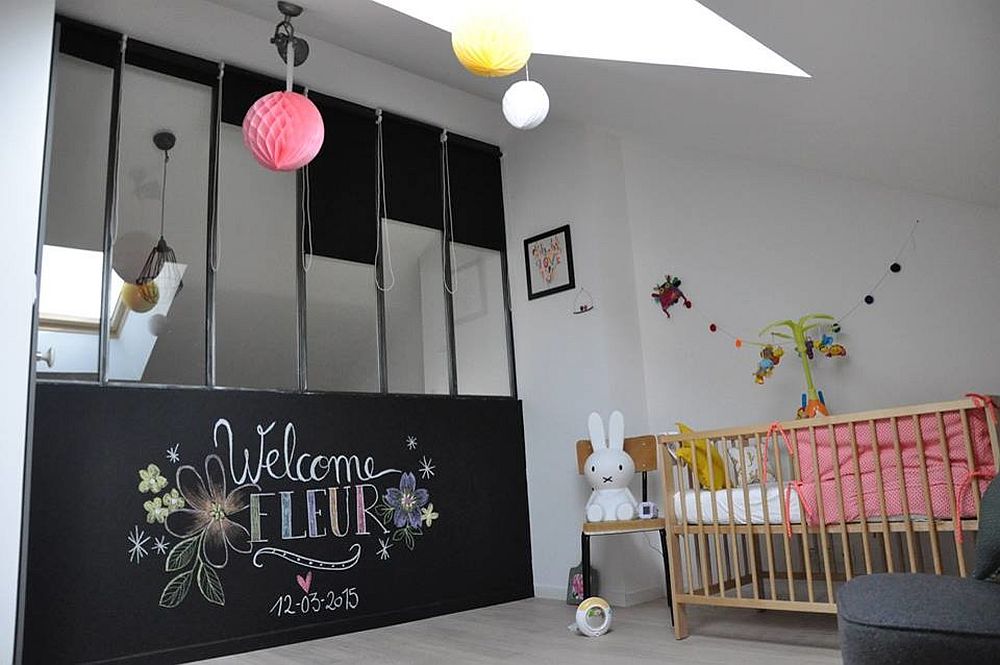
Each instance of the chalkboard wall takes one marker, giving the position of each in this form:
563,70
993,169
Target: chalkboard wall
168,525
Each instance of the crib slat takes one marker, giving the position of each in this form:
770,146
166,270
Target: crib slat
904,494
803,526
970,457
716,528
844,541
737,575
786,540
685,528
928,507
706,578
876,449
748,526
861,499
822,516
767,518
956,508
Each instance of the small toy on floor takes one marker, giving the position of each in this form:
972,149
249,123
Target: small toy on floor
593,617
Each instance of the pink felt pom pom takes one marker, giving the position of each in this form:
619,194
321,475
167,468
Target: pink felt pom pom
283,131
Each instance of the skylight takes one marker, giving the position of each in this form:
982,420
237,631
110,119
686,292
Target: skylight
662,32
70,292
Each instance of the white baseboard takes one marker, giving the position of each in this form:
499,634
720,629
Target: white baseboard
616,597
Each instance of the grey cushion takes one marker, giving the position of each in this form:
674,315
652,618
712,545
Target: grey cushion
988,538
917,619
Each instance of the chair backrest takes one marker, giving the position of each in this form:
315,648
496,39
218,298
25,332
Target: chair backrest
642,450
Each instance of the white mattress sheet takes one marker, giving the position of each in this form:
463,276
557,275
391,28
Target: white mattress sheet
742,510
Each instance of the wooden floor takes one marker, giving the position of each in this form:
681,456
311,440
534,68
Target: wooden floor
535,631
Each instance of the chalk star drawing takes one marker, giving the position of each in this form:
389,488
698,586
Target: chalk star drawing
138,540
172,454
160,545
426,468
383,551
411,442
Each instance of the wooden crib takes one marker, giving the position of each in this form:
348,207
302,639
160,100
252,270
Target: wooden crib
894,490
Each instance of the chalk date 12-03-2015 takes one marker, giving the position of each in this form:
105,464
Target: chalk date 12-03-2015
315,602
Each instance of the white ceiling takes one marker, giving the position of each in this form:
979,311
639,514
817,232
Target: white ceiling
903,92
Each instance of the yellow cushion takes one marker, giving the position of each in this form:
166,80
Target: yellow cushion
703,452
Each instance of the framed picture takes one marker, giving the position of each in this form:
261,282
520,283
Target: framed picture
548,259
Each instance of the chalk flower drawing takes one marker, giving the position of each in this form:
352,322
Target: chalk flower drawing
428,515
172,500
156,511
150,479
137,540
383,549
406,501
172,454
402,505
426,468
411,442
160,545
206,531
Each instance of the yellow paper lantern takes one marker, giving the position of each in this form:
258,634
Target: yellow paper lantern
140,298
491,43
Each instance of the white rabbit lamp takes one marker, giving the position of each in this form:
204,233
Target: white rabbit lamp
609,469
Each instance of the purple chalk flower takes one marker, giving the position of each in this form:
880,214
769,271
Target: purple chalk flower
407,501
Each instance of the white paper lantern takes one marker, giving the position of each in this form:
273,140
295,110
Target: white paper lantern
525,104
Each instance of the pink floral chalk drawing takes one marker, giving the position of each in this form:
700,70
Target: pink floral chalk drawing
206,531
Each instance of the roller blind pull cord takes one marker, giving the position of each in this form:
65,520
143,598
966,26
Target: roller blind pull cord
307,235
381,210
216,254
448,277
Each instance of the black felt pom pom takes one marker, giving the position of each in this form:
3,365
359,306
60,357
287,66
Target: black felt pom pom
895,267
869,299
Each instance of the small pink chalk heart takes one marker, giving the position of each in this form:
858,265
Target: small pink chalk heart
305,582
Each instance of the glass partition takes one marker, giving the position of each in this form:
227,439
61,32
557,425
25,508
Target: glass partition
163,339
70,282
256,302
416,331
342,326
480,322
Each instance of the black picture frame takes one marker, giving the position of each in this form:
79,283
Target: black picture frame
566,257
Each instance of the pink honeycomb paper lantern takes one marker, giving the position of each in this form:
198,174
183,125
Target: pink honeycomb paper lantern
283,131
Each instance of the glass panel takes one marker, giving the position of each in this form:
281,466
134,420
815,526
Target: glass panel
70,302
416,340
342,325
480,322
166,342
256,305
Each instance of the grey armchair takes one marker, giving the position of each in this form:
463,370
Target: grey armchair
917,619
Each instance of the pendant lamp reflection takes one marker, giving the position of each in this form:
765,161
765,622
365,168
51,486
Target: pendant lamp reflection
491,40
284,130
161,264
525,104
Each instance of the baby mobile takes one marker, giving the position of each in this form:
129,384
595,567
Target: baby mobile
809,335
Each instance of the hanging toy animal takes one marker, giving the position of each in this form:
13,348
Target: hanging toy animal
669,294
770,356
831,350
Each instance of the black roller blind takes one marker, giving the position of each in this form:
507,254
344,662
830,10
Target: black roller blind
476,192
412,153
342,182
241,88
89,42
170,62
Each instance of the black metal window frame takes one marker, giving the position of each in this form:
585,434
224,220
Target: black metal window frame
114,50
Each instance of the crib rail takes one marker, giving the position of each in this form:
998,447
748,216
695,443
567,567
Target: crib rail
892,490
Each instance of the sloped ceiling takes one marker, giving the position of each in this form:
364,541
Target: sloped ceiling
903,92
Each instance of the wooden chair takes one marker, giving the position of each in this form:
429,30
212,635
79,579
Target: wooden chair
642,450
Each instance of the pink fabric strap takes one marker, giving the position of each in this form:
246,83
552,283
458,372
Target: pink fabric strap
797,486
966,486
775,427
985,402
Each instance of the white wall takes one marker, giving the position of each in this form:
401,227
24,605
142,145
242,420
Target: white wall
26,35
569,365
753,243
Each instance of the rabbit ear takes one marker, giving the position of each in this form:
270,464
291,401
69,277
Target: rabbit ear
616,431
596,426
